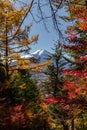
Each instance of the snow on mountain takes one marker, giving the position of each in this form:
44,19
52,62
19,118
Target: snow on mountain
41,55
41,52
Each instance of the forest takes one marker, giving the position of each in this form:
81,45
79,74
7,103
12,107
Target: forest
23,106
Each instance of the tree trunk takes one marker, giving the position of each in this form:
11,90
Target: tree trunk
86,3
6,62
72,124
65,126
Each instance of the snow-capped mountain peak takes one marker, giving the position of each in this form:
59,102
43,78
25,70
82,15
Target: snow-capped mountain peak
42,55
37,52
41,52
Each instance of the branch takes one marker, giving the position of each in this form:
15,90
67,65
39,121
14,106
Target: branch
55,19
30,6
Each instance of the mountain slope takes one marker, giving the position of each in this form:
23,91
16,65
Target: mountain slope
42,55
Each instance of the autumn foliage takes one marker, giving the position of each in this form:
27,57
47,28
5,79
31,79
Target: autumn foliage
73,104
21,104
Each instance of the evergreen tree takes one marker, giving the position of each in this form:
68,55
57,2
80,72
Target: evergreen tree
23,90
55,73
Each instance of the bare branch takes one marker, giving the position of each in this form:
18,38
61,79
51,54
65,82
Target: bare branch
30,6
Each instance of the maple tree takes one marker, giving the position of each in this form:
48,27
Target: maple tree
72,107
78,46
76,86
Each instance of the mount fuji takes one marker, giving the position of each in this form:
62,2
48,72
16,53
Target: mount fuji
41,55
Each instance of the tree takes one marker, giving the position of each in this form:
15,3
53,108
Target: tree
73,105
24,89
3,73
55,72
14,39
77,48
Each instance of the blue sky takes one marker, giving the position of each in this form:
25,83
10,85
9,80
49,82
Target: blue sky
46,39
